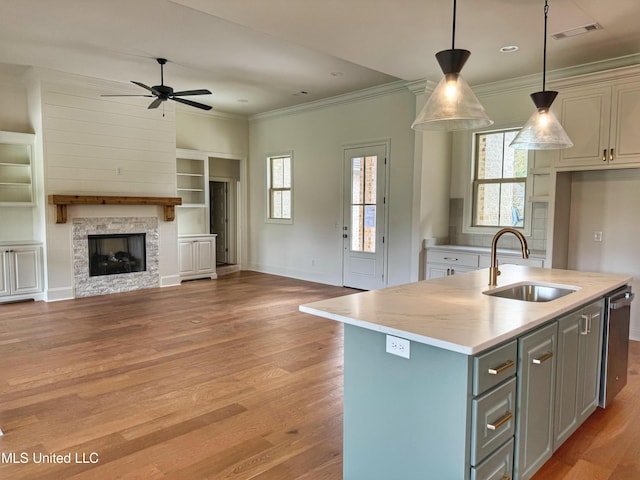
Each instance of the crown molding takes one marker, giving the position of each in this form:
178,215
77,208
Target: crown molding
357,96
618,67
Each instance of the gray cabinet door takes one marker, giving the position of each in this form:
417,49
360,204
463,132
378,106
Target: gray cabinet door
578,369
536,390
567,371
590,359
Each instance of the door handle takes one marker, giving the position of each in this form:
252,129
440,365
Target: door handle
344,235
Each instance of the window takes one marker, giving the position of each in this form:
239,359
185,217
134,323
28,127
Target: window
363,203
279,192
499,186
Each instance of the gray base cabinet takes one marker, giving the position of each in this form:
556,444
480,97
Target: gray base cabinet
578,370
536,393
441,414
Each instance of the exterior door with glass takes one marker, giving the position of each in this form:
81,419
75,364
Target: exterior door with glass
363,261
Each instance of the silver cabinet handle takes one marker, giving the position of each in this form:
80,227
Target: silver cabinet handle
451,258
584,324
500,422
543,358
501,368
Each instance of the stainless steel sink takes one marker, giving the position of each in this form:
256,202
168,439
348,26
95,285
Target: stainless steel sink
532,292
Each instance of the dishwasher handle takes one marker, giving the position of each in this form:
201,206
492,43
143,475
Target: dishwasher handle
623,301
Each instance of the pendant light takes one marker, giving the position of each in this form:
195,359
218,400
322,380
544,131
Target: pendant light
452,105
543,130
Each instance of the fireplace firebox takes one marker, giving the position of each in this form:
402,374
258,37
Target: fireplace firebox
117,253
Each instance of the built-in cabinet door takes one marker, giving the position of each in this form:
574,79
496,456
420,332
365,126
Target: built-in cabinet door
4,273
186,259
567,371
536,391
585,117
206,255
625,128
578,369
590,359
26,270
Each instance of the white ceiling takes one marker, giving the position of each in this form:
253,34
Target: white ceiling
258,55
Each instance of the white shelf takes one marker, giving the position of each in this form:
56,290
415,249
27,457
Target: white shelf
15,169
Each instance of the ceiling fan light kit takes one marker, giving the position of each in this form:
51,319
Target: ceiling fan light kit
543,130
452,105
164,92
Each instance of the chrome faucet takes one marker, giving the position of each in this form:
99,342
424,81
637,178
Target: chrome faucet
493,270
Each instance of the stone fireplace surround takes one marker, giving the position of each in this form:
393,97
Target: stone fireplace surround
86,286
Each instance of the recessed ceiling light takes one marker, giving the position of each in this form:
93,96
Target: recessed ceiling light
300,93
242,100
509,48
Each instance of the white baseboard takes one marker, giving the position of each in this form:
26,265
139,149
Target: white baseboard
58,294
296,273
634,334
170,280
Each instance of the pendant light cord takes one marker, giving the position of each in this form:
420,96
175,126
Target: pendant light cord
453,34
544,55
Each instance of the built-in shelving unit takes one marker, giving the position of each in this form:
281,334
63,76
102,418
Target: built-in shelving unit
190,175
192,186
16,169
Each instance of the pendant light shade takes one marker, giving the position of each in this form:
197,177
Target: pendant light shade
543,130
452,105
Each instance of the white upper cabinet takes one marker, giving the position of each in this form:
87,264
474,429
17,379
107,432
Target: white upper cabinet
603,124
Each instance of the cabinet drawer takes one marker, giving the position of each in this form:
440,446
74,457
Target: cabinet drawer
493,420
453,258
493,367
498,466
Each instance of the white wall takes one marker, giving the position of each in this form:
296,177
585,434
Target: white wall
16,222
94,145
607,202
215,132
317,136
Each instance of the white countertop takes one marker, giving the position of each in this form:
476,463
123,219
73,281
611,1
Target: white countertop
453,313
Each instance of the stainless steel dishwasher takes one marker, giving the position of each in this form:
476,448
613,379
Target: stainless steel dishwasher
615,345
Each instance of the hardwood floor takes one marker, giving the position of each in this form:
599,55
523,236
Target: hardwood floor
220,379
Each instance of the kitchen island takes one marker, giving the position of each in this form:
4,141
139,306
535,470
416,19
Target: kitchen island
458,398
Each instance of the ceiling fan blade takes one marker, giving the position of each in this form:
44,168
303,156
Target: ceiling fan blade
191,92
126,95
155,104
191,103
142,85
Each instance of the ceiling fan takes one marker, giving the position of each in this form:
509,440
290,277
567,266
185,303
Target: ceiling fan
164,92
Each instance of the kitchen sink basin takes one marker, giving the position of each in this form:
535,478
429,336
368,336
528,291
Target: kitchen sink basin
532,292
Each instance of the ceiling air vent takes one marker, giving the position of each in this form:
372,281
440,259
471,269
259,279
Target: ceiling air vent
572,32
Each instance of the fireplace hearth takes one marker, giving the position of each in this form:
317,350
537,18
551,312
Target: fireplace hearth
114,254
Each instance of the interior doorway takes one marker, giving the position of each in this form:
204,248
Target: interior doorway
224,178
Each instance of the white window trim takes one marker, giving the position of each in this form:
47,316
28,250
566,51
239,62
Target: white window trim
467,213
267,184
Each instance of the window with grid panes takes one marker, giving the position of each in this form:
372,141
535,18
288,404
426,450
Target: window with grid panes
499,186
279,188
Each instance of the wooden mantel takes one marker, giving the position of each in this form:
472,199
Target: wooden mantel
61,202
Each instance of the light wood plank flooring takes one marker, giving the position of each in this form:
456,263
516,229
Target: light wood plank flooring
220,379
